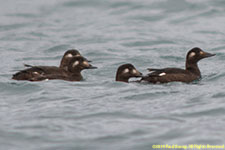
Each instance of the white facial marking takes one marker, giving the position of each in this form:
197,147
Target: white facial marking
75,63
85,63
192,54
35,72
69,55
134,71
78,55
126,70
201,52
162,74
46,79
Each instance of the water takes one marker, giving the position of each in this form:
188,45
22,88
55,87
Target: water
100,113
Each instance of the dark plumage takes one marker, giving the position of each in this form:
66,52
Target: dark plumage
39,73
126,71
68,55
189,74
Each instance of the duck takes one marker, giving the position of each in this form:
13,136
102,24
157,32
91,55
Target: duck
40,73
68,55
127,71
187,75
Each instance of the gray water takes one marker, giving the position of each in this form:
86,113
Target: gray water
99,113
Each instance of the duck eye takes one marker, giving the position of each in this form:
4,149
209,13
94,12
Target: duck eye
192,54
69,55
75,63
126,70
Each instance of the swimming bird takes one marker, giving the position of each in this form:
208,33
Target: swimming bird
39,73
68,55
187,75
126,71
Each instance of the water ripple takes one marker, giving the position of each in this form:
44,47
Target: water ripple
99,113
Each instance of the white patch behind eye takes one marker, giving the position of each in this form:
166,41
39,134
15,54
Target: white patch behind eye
134,71
35,72
75,63
126,70
69,55
192,54
162,74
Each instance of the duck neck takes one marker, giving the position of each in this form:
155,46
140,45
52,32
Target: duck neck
121,79
77,76
193,68
63,64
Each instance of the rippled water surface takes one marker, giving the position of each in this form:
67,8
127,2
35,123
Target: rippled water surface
100,113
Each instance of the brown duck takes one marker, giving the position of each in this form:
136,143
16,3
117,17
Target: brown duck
127,71
187,75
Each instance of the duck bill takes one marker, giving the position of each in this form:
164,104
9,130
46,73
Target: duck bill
208,55
91,67
138,74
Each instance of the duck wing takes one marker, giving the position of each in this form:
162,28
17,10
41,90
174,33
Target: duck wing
38,73
166,71
169,75
27,65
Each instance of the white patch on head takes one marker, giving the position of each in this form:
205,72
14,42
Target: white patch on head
69,55
85,63
46,79
192,54
201,52
162,74
126,70
76,63
35,72
134,71
78,55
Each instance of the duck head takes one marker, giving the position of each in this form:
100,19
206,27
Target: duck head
126,71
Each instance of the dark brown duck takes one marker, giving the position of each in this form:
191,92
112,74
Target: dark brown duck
39,73
127,71
68,55
187,75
